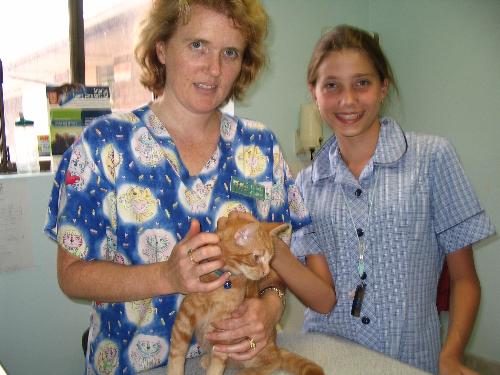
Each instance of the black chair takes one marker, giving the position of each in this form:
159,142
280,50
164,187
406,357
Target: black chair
85,340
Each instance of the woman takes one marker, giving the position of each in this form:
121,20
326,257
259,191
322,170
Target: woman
387,207
138,196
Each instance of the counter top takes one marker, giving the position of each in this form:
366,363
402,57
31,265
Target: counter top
336,355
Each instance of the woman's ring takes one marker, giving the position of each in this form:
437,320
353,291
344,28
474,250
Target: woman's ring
190,255
252,343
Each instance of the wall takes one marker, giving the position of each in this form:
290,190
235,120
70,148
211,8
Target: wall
446,56
295,27
40,328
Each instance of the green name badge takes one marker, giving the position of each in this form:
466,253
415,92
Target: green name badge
247,188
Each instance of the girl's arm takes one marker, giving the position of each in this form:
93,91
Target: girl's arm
312,284
464,303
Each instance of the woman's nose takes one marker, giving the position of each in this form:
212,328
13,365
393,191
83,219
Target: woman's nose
214,64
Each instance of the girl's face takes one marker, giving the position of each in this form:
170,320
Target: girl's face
203,60
349,94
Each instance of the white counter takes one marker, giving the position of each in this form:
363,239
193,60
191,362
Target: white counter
336,355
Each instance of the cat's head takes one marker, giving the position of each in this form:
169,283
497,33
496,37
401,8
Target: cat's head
247,245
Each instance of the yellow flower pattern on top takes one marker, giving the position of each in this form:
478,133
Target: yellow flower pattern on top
250,161
122,194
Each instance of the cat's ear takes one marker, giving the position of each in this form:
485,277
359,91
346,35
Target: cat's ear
246,232
275,229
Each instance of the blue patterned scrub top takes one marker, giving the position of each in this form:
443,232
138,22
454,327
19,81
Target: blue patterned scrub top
423,207
122,194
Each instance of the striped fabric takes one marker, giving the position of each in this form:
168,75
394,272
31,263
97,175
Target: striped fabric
423,208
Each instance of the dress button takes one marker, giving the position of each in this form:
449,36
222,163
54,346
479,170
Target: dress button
365,320
358,192
360,232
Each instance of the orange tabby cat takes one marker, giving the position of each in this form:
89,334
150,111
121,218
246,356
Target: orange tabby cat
247,248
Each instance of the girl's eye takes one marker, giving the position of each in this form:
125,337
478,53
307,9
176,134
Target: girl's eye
231,52
331,86
363,83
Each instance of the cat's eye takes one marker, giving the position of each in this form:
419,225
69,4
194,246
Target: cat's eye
256,258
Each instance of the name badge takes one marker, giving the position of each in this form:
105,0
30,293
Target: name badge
247,188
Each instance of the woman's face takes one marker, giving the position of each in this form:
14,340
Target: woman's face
202,59
349,94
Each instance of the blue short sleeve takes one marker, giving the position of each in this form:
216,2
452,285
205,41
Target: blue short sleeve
304,240
459,219
80,207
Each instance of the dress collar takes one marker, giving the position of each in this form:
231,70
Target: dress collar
391,146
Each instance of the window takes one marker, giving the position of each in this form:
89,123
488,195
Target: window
109,56
34,52
39,53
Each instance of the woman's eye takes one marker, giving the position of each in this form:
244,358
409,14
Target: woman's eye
231,52
197,44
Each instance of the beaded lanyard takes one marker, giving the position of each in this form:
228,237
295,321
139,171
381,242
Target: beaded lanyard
359,294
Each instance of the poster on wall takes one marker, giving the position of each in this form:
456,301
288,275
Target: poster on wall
71,108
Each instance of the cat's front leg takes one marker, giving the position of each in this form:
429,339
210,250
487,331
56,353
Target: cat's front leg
217,364
182,331
175,365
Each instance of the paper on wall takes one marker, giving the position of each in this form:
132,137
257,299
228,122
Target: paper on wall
16,246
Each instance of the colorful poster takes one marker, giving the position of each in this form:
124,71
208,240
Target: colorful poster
71,108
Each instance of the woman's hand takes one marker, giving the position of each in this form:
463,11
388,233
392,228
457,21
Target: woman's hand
196,255
452,366
248,330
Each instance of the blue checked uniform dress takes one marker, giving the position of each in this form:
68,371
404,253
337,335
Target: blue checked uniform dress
423,208
122,194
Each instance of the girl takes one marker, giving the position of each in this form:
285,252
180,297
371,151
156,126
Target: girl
387,208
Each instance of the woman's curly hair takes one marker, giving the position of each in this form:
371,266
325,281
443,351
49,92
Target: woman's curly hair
163,18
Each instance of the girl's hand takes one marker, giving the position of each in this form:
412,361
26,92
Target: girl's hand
452,366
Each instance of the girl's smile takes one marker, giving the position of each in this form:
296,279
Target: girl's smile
349,94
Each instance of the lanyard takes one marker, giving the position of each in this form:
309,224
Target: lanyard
361,239
359,294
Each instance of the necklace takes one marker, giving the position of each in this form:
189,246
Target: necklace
360,288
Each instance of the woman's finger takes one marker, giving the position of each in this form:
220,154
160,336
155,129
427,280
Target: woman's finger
198,241
206,252
208,267
244,345
228,325
244,356
205,287
222,335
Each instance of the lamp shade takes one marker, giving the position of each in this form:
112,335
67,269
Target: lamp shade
310,130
